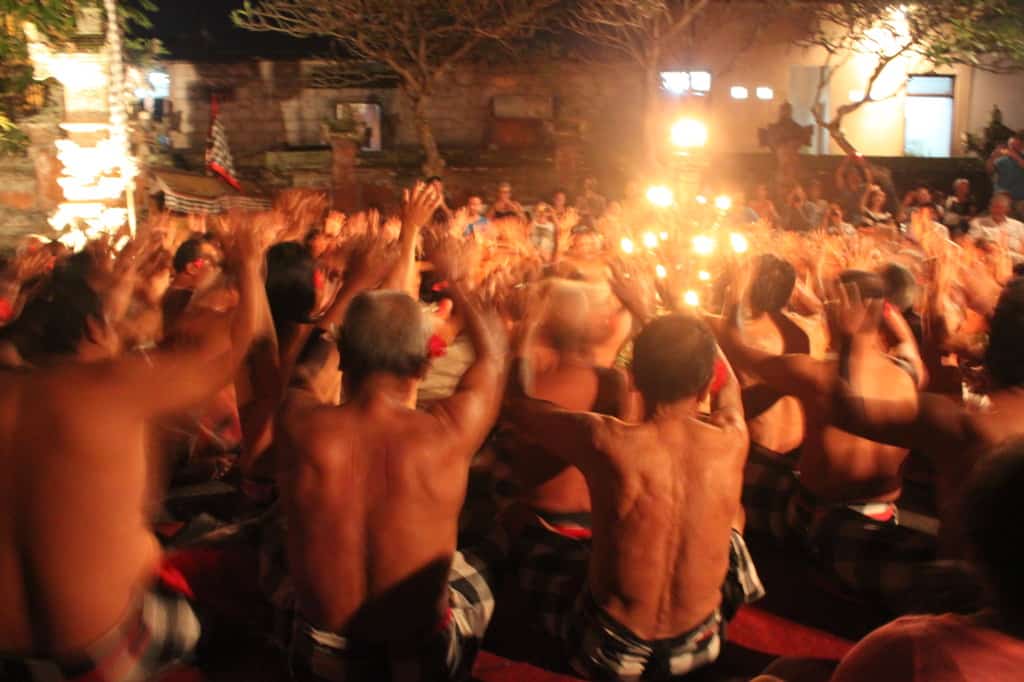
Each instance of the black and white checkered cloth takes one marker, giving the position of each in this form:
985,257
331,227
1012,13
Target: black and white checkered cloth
218,153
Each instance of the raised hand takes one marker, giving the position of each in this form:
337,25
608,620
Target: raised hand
418,206
851,315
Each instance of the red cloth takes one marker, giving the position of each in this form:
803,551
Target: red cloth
759,630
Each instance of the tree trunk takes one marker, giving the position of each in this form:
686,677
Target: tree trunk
653,136
433,164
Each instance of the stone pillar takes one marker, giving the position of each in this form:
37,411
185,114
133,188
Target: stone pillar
345,191
42,135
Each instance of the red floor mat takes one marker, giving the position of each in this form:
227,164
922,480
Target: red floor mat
762,631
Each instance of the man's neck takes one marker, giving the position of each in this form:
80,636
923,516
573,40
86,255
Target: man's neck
388,389
687,408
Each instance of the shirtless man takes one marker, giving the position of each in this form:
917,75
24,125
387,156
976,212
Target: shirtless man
372,492
78,561
775,420
843,505
564,373
955,437
668,565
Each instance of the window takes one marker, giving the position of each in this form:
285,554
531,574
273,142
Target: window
928,113
738,92
686,82
765,93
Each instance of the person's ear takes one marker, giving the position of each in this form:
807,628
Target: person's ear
444,309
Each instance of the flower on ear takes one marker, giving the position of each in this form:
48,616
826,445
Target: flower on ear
719,376
436,346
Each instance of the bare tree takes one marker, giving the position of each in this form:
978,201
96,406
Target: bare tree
643,31
417,41
981,33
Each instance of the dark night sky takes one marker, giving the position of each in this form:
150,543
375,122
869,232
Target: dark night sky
201,30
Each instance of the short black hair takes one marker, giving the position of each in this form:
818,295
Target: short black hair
54,321
990,510
189,251
869,284
774,279
433,178
673,358
385,332
1003,358
290,288
901,288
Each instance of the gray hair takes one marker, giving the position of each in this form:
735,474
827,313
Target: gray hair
384,331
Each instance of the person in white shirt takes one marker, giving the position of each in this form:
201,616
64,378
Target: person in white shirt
999,226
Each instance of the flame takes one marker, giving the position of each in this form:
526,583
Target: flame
739,242
650,240
660,195
703,245
704,276
627,245
660,271
723,202
691,298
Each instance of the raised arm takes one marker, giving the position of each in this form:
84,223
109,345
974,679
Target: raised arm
419,205
927,421
471,411
173,379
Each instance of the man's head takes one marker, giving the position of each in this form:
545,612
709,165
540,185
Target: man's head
1016,143
567,325
559,199
772,284
437,184
1003,359
385,332
194,255
317,242
290,287
990,511
590,184
900,286
999,207
475,205
962,188
66,319
505,191
586,242
673,359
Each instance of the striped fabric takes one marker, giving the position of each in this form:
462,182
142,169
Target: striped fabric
218,154
162,631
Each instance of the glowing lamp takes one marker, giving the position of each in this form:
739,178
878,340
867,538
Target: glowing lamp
691,298
704,276
703,245
689,133
660,271
660,196
723,202
627,245
650,240
701,199
739,242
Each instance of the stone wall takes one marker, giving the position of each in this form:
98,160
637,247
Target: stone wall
265,105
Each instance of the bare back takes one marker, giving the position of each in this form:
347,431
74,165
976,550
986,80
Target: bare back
837,466
664,503
372,495
549,483
775,422
75,546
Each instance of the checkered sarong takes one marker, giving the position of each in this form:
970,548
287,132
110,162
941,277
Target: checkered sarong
768,483
162,630
552,572
880,560
601,648
319,656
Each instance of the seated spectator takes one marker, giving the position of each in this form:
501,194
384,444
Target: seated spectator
985,646
559,204
590,203
998,226
872,209
833,222
800,215
1006,166
478,224
852,176
919,204
763,206
504,206
543,230
816,196
960,208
